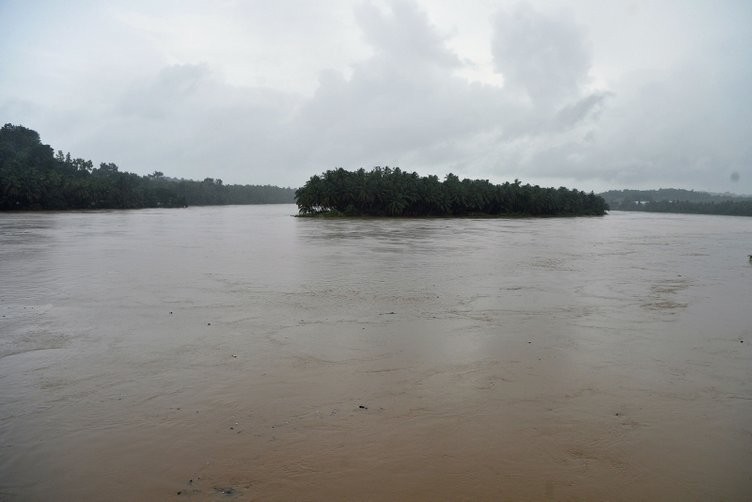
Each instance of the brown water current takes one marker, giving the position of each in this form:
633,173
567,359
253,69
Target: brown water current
238,353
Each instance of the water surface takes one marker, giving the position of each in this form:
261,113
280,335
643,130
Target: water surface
208,353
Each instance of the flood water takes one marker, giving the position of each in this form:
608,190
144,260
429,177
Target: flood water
237,353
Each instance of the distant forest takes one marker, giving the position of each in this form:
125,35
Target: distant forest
32,176
675,200
393,192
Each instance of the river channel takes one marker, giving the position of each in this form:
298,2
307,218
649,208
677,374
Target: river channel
239,353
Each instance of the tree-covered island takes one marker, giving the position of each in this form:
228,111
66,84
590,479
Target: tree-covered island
393,192
33,176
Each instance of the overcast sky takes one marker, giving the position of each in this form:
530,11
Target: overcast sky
588,94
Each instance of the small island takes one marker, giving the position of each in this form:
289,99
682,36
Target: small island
393,193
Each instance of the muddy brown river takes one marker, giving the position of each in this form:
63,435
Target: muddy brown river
238,353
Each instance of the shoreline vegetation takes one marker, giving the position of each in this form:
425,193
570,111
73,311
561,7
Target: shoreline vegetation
33,177
387,192
674,200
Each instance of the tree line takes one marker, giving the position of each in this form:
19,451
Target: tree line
626,198
33,176
677,200
393,192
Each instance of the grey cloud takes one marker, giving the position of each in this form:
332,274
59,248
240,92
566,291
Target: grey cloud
546,56
404,34
184,121
589,106
658,129
174,87
400,103
403,102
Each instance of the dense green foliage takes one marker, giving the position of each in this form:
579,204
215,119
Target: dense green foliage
393,192
32,176
675,200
